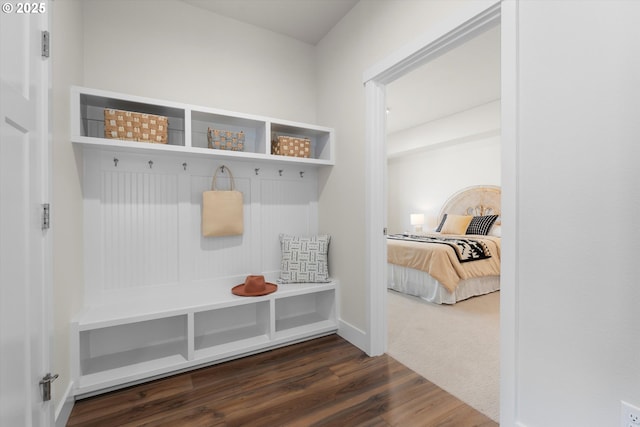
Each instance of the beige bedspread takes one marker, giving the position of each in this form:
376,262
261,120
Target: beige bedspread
441,262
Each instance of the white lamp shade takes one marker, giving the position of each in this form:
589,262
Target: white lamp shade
417,219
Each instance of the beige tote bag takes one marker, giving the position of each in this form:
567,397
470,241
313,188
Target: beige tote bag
222,212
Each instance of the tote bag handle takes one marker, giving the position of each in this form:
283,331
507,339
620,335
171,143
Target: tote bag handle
224,169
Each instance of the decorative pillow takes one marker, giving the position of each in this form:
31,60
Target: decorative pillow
439,228
495,231
304,259
456,224
481,224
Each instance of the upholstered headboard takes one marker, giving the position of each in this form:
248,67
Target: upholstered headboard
476,200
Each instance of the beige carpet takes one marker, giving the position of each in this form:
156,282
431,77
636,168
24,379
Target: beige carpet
454,346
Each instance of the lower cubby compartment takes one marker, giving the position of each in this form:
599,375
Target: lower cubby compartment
227,329
135,346
304,311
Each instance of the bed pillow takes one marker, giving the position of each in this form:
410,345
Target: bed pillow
481,224
456,224
304,259
439,228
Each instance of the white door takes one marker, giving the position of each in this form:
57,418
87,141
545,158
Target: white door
25,299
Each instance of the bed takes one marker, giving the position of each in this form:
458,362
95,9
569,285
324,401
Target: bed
449,266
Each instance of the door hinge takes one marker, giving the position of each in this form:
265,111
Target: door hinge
46,220
45,382
46,39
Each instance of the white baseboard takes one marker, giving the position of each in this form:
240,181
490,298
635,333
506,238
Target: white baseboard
63,410
354,335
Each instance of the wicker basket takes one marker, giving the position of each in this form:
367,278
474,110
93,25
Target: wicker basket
292,146
130,126
225,140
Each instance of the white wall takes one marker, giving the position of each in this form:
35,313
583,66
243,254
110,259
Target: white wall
430,162
473,124
578,195
66,203
423,181
174,51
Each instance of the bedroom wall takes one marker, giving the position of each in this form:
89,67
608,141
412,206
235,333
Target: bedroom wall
430,162
578,195
422,182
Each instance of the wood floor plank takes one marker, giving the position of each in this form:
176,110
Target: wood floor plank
322,382
357,390
313,404
122,401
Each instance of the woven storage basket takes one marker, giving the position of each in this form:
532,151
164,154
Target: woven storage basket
225,140
292,146
130,126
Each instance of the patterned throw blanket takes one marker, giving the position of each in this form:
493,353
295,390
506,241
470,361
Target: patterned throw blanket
465,249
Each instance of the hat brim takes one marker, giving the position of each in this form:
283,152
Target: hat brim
239,290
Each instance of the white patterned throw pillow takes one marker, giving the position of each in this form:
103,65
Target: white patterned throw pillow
304,259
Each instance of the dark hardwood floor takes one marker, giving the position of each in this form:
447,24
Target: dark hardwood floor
323,382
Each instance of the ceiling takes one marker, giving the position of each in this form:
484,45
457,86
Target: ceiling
461,79
305,20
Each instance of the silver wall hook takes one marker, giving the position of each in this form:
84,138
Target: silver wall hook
184,166
257,169
115,161
280,172
301,174
150,164
222,168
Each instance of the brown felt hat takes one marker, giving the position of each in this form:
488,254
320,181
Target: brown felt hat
254,286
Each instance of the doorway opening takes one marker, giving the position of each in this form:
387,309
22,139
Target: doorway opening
443,135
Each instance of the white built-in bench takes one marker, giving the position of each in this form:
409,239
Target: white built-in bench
136,339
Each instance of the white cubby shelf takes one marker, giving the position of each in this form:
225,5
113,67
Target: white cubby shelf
119,344
188,128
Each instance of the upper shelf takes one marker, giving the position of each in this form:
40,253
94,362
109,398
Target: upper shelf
187,128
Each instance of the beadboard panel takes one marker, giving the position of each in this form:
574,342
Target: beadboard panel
139,223
286,208
143,222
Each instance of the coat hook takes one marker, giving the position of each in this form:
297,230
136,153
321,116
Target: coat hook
150,164
222,168
301,174
257,169
184,165
280,172
115,162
